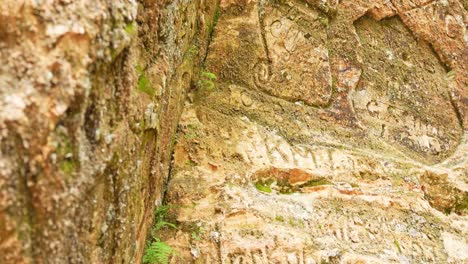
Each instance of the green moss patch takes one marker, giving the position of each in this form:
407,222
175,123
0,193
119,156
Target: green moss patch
144,84
131,28
66,153
263,187
318,182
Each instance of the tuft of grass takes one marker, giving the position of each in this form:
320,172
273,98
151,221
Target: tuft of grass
160,216
190,136
208,75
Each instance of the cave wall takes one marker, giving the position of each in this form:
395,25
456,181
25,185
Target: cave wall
90,96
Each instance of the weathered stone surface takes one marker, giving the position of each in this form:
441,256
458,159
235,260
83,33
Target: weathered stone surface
90,96
325,131
403,94
297,66
336,134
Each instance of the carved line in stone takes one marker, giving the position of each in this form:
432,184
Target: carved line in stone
427,144
263,70
343,235
265,255
352,229
426,136
280,153
415,132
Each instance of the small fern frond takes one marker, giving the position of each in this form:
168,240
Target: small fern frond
158,252
162,211
160,224
208,75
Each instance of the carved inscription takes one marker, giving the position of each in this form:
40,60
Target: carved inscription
298,67
359,230
403,93
273,150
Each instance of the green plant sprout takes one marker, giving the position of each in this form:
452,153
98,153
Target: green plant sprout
206,81
157,251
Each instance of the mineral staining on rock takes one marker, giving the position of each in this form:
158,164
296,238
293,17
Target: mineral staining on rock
315,151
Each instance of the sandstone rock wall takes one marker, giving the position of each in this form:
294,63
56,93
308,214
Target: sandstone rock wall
90,96
336,134
322,130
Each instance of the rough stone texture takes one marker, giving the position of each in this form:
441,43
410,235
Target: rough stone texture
336,134
90,96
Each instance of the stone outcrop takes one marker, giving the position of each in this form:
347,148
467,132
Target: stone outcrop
90,96
336,134
286,131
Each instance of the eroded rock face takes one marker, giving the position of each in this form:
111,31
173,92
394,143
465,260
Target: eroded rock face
90,96
336,134
403,93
